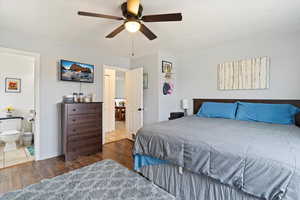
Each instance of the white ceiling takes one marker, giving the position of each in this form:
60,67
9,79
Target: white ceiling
205,22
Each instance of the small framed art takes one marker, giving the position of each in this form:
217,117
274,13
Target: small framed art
167,67
13,85
145,81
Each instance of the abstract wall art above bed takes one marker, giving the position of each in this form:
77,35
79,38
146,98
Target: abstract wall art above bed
249,74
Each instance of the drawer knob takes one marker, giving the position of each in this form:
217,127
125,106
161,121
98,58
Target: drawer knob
74,110
74,130
74,120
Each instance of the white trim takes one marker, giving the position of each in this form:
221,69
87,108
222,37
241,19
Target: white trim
115,68
103,89
36,58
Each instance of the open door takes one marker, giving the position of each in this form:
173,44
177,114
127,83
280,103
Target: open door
134,100
109,100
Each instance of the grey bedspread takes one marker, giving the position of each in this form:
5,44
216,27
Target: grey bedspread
258,158
191,186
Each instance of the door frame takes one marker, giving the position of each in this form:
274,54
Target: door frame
103,89
37,108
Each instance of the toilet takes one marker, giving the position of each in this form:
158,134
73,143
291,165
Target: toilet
10,132
10,138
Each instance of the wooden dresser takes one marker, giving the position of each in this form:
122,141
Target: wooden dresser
82,129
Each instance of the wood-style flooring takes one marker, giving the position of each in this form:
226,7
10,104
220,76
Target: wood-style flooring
22,175
119,134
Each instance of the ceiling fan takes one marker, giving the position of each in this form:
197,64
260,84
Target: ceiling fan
132,12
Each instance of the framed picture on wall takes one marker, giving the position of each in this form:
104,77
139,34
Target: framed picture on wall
13,85
167,67
145,81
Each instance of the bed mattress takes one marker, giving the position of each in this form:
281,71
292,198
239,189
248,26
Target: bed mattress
259,159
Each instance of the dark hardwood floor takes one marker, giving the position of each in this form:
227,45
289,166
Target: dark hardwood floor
19,176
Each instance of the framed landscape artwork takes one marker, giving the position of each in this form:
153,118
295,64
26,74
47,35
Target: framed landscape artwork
13,85
76,72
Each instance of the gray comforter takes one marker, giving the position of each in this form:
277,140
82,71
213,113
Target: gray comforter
258,158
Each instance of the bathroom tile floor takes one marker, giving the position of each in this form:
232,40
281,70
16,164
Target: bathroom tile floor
21,155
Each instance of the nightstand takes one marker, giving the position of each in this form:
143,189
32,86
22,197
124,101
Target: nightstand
176,115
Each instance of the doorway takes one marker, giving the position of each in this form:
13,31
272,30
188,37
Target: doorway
119,87
19,107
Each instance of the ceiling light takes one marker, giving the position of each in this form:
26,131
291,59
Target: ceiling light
132,26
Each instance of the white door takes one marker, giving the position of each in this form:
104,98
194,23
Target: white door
109,100
134,100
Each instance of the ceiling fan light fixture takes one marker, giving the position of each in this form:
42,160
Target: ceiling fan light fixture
132,26
133,19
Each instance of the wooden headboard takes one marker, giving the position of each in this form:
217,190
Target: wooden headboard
198,103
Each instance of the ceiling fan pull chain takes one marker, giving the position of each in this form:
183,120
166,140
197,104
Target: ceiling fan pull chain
132,46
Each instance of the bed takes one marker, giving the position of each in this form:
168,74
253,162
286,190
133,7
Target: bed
222,159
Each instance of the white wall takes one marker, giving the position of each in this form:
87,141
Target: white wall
197,74
120,84
21,67
167,103
157,106
51,89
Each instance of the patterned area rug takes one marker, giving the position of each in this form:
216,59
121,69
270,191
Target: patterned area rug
105,180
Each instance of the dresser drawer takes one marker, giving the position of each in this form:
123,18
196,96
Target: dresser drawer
74,109
82,119
76,145
83,129
85,135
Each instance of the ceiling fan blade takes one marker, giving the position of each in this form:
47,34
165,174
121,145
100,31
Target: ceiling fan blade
147,32
99,15
133,6
116,31
163,17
